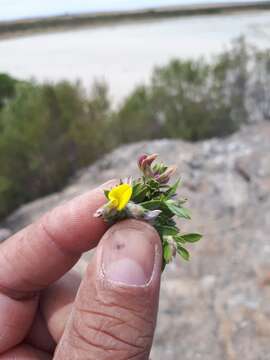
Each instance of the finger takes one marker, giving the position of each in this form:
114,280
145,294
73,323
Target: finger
42,252
39,255
25,352
57,301
39,335
15,320
115,310
54,307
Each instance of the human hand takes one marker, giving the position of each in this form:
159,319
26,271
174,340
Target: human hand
48,312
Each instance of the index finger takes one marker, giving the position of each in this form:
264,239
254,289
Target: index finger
42,252
39,255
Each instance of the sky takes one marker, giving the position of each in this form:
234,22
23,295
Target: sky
18,9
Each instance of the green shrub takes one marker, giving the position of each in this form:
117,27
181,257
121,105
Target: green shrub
7,88
49,131
191,100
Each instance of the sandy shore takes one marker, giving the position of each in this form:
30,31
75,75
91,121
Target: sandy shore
9,29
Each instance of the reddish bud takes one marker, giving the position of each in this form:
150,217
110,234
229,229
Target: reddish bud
165,177
140,160
145,162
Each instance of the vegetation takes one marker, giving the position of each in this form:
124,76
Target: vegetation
7,88
48,131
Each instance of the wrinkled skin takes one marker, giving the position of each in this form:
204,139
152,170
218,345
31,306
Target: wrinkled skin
48,312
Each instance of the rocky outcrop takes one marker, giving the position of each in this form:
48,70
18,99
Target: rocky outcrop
4,234
216,306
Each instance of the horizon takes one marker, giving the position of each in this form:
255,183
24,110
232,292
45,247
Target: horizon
16,9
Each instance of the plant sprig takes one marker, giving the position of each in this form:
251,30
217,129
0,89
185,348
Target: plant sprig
152,199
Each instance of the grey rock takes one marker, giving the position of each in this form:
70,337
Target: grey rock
216,307
4,234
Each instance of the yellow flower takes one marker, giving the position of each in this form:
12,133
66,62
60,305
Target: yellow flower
119,196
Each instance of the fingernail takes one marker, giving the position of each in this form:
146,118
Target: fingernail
129,255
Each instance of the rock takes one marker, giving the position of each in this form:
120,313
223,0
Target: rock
4,234
217,305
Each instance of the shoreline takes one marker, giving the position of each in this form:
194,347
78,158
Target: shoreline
18,28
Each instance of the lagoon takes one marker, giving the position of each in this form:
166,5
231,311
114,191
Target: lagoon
124,54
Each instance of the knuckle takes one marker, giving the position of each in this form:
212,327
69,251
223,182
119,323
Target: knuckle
110,330
12,281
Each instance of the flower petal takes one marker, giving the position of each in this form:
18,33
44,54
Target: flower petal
120,196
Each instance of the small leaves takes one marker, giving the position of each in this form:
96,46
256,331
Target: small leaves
178,210
183,253
172,190
167,253
179,239
157,205
191,238
106,193
152,204
160,168
155,201
139,192
169,230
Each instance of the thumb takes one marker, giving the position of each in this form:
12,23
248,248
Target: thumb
114,314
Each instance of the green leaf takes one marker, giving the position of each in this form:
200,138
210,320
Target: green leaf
167,253
181,201
183,253
172,189
152,184
164,220
178,210
157,205
151,204
106,193
136,187
160,168
138,193
169,230
191,238
184,212
179,239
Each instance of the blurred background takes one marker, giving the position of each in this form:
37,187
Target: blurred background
87,86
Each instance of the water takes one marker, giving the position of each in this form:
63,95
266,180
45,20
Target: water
17,9
124,55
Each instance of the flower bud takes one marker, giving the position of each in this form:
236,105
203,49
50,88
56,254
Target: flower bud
99,212
166,175
107,212
151,215
141,160
138,212
173,247
145,162
135,211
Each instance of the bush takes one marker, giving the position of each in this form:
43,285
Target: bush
191,100
48,131
7,88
